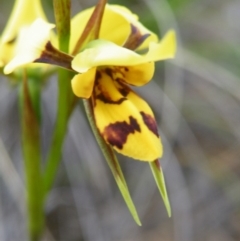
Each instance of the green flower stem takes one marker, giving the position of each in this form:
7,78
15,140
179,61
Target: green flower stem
62,16
112,162
65,96
65,106
30,124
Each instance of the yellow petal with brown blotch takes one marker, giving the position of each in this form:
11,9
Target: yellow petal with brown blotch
125,121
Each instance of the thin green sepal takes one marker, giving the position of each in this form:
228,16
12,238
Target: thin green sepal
159,179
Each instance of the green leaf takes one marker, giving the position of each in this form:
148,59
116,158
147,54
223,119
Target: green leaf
159,179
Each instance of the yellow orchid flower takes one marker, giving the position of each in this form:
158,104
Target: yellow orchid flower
23,14
123,118
106,67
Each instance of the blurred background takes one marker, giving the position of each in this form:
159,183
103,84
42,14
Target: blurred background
196,100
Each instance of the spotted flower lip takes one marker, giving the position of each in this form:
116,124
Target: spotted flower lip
23,14
124,119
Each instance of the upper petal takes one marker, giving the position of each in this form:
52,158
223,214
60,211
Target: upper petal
104,53
133,19
115,26
125,121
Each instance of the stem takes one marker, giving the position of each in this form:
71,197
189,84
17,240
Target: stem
32,160
65,96
62,16
66,100
65,106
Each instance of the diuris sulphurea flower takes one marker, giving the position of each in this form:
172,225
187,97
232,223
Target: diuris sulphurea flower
23,14
105,68
123,118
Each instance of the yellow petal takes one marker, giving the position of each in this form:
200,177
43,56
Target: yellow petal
136,75
125,120
31,43
115,27
101,53
118,33
133,19
23,14
6,52
166,49
82,84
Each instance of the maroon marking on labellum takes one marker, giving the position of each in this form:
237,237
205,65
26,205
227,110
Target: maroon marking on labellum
109,72
150,123
108,100
122,88
124,91
98,75
103,95
116,134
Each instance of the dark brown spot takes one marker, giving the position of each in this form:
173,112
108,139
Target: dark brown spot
117,133
107,99
109,72
150,123
98,75
122,88
103,95
157,164
124,91
51,55
135,38
11,41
